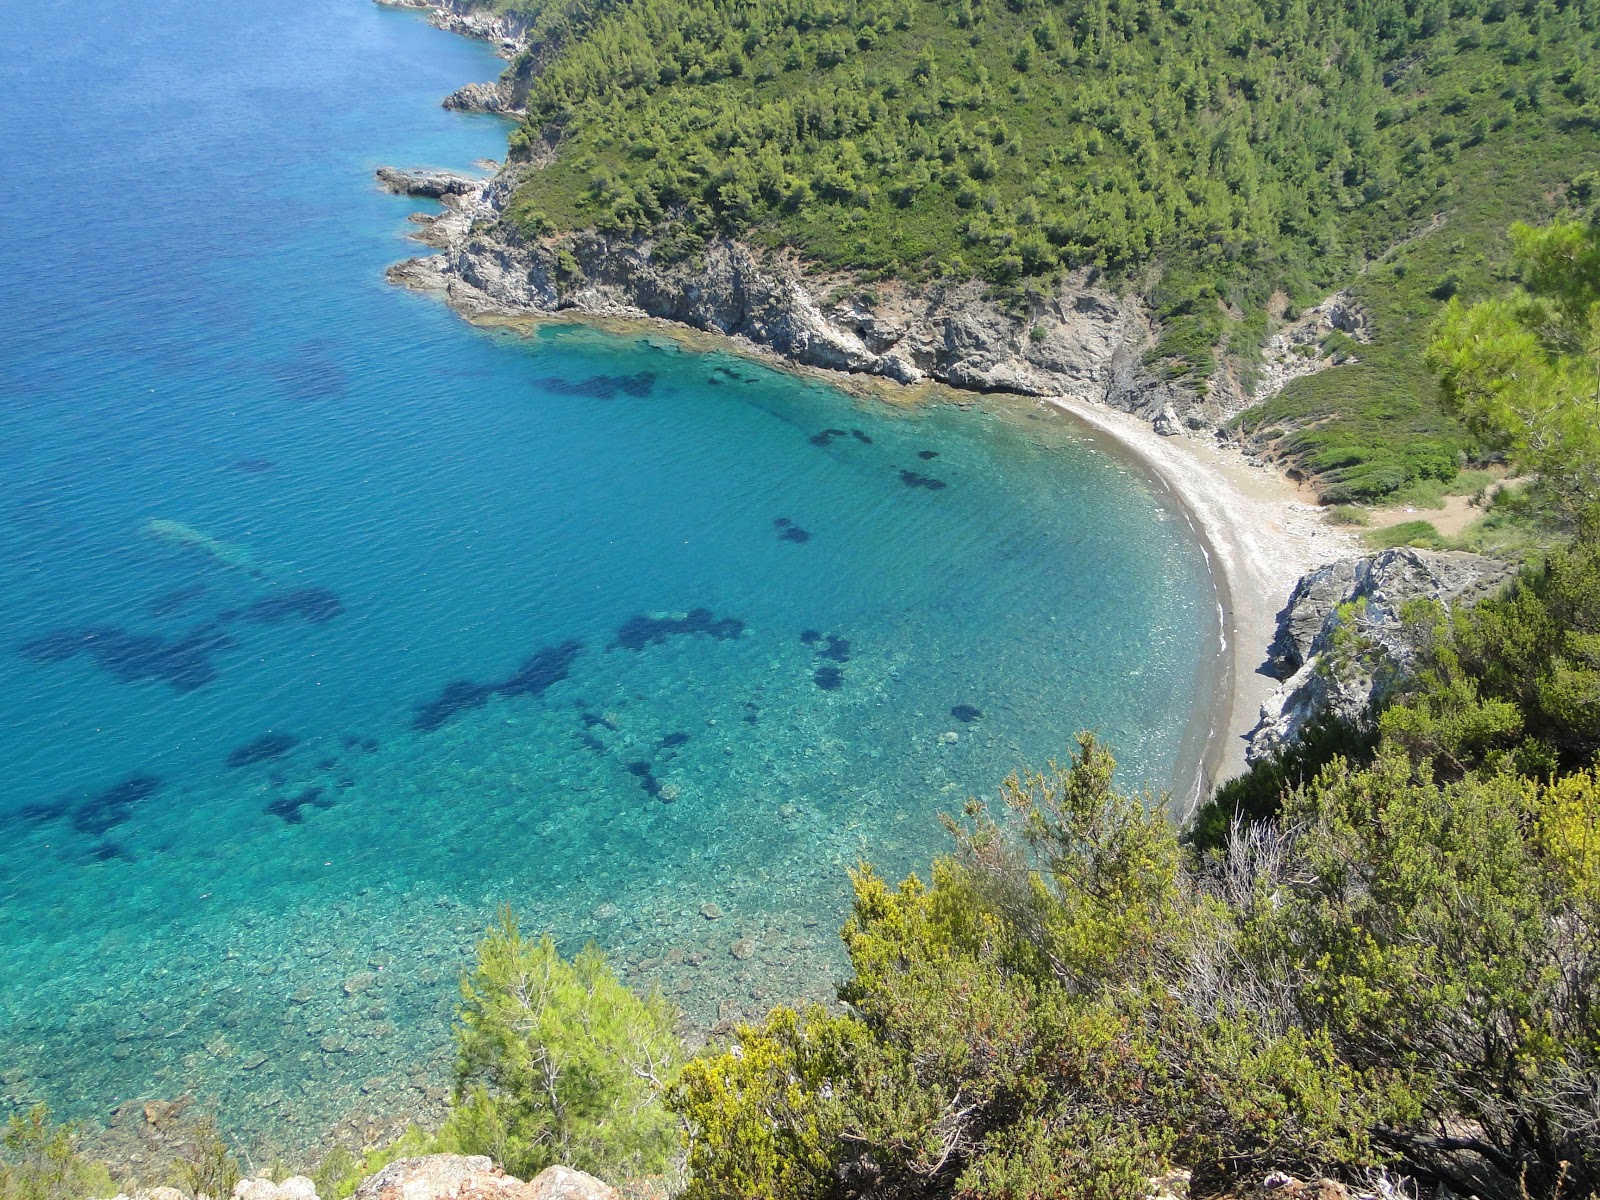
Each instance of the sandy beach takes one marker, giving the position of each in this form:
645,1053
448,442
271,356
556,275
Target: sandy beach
1261,533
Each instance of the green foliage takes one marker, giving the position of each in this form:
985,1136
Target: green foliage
1406,533
1243,148
560,1063
341,1172
1524,369
1029,1024
40,1161
210,1168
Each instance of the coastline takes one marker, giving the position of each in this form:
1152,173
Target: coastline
1260,535
1259,531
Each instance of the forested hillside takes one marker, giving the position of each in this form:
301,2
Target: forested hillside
1206,153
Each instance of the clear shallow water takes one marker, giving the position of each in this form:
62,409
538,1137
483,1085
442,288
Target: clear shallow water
267,769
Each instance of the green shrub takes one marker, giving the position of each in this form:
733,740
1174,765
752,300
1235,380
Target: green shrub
558,1062
40,1161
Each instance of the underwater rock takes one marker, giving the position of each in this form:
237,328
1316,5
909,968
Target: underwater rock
315,605
710,911
289,808
825,438
950,737
673,740
638,632
224,553
548,666
835,649
810,637
742,949
966,713
168,603
829,679
913,479
795,534
645,773
113,806
267,746
602,387
861,437
926,455
183,664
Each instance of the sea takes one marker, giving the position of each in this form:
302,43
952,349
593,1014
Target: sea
333,623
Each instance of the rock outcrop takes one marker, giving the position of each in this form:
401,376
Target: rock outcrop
1085,341
498,97
1363,596
430,184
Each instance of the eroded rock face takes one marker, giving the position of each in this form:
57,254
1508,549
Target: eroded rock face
497,97
1085,342
434,185
1317,680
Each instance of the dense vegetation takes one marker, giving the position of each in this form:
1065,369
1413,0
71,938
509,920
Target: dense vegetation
1207,153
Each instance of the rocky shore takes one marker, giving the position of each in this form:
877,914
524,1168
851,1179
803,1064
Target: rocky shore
1084,349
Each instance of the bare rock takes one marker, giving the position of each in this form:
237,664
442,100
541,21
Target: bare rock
563,1183
1318,682
433,185
297,1187
483,97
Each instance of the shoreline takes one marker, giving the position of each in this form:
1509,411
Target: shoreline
1260,535
1258,530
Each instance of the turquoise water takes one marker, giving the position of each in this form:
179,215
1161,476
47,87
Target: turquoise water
434,618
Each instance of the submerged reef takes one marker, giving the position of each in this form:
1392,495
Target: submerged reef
547,666
966,713
644,630
926,455
183,664
602,387
113,806
289,808
267,746
314,605
832,648
789,531
829,679
914,479
825,438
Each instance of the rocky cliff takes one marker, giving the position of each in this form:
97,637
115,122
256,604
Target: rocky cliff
1327,673
1085,341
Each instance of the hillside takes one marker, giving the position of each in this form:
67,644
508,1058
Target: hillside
1227,161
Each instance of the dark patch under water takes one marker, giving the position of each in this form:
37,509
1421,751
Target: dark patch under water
290,808
310,373
913,479
861,437
314,605
355,741
810,637
646,775
638,632
261,749
602,387
829,679
825,438
113,806
547,666
795,534
927,455
183,664
966,713
255,466
168,603
673,740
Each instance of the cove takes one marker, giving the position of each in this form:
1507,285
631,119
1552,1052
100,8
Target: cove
333,622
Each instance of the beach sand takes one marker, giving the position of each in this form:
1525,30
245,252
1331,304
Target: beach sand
1261,532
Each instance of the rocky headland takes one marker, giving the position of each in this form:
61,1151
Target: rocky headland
1086,348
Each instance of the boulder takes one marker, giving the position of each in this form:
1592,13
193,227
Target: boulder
1317,682
464,1177
434,185
296,1187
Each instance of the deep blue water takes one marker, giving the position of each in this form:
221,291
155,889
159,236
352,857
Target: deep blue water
433,618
